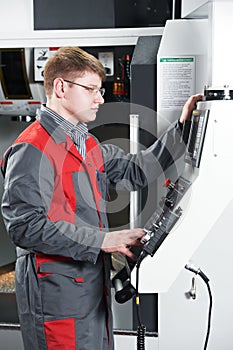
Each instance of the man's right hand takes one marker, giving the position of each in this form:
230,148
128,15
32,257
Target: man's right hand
120,241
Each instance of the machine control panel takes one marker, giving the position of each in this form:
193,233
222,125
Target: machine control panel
166,216
156,230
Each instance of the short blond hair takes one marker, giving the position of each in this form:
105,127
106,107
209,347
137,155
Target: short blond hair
67,63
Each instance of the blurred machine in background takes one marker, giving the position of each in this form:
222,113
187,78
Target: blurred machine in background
20,95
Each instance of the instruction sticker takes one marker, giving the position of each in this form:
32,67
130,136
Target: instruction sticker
177,81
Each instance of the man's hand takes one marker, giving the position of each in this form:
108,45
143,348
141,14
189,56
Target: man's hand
189,106
119,241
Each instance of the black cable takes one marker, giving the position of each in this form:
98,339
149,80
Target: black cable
199,272
209,316
137,298
141,331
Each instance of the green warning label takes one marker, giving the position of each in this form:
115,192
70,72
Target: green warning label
177,59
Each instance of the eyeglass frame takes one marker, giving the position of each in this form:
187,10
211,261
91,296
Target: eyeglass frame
88,88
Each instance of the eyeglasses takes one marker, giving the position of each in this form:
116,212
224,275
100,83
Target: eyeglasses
91,89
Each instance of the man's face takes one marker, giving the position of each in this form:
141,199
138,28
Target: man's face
80,103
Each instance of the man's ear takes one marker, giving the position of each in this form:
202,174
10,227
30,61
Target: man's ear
58,87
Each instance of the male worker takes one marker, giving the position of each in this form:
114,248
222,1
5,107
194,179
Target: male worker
56,181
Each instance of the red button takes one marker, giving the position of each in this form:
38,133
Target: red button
79,280
166,182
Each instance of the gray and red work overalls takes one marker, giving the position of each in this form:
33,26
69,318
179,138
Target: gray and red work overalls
54,211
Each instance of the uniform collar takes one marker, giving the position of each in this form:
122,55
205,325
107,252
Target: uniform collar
57,126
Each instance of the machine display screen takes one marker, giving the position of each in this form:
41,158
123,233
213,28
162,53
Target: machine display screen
196,137
13,74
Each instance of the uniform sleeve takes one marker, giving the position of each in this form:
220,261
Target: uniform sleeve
134,171
28,191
